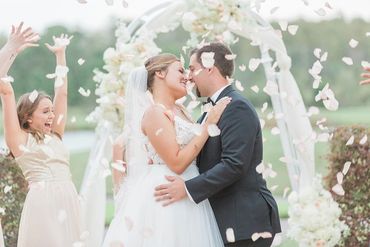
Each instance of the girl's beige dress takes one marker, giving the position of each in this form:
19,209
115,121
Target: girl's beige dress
51,215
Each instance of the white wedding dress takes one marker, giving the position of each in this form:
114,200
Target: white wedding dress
142,222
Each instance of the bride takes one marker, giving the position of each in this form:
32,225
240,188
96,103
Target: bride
161,139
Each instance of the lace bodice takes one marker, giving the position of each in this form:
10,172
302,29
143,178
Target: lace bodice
185,131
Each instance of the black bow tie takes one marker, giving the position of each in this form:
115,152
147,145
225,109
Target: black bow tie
209,100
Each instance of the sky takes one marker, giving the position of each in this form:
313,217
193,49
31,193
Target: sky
95,14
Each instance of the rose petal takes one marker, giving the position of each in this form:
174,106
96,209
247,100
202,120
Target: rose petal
254,63
350,141
347,60
353,43
346,167
264,107
230,237
230,56
292,29
363,140
275,131
340,177
207,59
255,88
32,97
7,79
317,52
243,67
158,132
283,25
81,61
338,189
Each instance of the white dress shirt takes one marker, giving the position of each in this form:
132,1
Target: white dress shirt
213,98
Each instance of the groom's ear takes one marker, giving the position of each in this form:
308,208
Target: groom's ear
160,74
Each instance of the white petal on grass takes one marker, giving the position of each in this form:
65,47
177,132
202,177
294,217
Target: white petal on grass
350,141
363,140
33,96
230,56
230,237
292,29
340,177
347,60
254,63
159,131
7,79
207,59
255,89
275,131
317,52
7,188
338,189
242,67
283,25
83,92
239,86
264,107
353,43
80,61
213,130
346,167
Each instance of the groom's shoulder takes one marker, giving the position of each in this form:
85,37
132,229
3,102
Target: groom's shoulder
239,99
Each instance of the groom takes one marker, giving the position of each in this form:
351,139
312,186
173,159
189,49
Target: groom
227,163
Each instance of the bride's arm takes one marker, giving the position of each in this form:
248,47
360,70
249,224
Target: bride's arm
161,133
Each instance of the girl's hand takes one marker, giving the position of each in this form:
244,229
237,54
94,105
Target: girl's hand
216,111
19,40
60,43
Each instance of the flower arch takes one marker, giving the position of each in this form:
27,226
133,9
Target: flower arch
225,20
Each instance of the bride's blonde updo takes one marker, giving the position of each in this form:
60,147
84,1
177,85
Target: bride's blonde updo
158,63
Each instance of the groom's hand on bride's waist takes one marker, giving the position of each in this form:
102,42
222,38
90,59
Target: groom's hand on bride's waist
171,192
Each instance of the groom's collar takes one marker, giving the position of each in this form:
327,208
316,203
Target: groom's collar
216,95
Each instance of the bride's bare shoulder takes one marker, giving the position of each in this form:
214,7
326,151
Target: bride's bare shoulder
157,112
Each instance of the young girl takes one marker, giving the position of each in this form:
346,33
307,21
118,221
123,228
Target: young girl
33,132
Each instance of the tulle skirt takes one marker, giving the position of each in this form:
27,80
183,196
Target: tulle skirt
143,222
51,216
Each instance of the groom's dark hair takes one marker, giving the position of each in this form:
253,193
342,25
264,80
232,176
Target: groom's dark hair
225,66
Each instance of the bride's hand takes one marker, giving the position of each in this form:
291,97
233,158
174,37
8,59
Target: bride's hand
21,39
216,111
60,43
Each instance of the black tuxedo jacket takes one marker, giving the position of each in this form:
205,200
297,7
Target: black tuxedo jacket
228,178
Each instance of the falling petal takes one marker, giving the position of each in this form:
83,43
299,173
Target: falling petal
73,119
353,43
262,123
239,86
265,234
198,72
316,83
119,166
338,189
320,12
327,4
363,140
273,188
83,92
271,88
324,57
285,191
213,130
323,137
365,64
350,141
313,110
347,60
230,237
255,88
254,63
275,131
242,67
82,1
346,167
283,25
158,132
7,79
208,59
32,97
60,118
230,56
292,29
274,9
317,52
255,236
264,107
260,168
81,61
51,76
124,4
109,2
